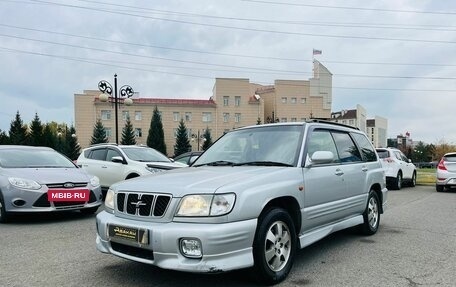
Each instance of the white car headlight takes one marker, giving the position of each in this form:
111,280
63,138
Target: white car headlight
109,200
24,183
206,205
154,169
95,181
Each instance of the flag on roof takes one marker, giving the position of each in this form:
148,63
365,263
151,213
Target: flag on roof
316,52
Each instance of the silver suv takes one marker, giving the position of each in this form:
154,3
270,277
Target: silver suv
112,163
251,200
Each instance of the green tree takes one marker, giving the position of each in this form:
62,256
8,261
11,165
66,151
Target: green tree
182,143
18,131
72,144
207,139
99,133
258,121
36,132
128,134
156,136
49,136
4,139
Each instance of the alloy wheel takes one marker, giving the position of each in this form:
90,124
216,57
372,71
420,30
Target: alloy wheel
277,246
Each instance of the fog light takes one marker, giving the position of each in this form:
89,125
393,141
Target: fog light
191,247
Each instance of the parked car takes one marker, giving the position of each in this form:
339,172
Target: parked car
188,158
446,172
399,170
251,200
37,179
113,163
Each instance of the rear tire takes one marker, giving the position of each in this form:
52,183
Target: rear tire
439,188
397,182
274,246
371,215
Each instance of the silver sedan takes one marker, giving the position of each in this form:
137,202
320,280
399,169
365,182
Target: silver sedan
36,179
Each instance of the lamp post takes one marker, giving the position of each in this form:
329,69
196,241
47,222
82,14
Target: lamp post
125,92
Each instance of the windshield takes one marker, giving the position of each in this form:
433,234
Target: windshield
267,145
33,158
145,154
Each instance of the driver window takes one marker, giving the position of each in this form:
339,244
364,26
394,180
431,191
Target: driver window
321,140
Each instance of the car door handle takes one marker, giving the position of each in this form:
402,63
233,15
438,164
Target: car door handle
339,172
104,166
364,168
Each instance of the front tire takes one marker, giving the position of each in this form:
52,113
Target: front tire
439,188
274,246
413,181
371,215
3,213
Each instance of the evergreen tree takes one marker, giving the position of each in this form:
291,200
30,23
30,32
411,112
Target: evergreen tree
182,143
36,132
207,139
128,134
4,139
99,133
156,136
18,131
49,137
73,148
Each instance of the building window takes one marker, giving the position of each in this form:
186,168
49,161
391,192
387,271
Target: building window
283,120
237,101
294,119
125,115
176,116
138,116
226,117
284,100
105,115
175,132
108,132
138,132
188,116
207,117
226,101
351,122
237,117
303,100
293,100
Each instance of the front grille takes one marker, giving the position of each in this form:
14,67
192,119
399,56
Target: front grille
143,204
133,251
62,185
42,201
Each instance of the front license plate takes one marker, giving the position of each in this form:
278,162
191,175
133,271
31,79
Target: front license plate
68,194
140,236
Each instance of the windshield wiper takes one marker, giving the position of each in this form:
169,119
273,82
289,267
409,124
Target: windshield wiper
263,163
217,163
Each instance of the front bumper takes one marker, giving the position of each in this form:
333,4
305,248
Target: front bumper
225,246
384,199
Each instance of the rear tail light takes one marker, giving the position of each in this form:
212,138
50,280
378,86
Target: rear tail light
388,159
441,165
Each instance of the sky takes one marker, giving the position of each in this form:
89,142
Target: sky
395,58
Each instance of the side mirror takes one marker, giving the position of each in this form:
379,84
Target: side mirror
322,157
118,159
192,159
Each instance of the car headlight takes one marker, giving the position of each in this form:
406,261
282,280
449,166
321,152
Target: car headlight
109,200
24,183
154,169
95,181
206,205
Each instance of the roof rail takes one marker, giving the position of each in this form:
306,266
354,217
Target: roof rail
331,123
104,144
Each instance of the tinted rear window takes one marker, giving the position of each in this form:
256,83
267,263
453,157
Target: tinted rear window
383,153
450,158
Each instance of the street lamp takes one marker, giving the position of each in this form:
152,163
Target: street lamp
125,93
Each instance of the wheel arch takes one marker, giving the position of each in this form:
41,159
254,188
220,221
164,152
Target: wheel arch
378,190
288,203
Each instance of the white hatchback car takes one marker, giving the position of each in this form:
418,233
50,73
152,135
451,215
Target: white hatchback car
398,168
446,172
112,163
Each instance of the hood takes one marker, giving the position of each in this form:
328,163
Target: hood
49,175
190,180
